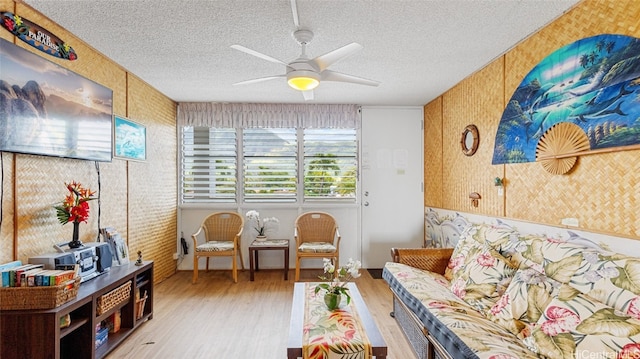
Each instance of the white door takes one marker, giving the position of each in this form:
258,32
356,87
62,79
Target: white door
391,182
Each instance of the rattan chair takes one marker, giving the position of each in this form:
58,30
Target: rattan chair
222,232
317,236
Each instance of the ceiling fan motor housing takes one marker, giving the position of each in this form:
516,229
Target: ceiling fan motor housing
302,74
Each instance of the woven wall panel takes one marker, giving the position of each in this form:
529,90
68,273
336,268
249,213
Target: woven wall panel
152,184
476,100
432,150
40,184
602,191
6,228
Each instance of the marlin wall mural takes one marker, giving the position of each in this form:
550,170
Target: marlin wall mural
593,83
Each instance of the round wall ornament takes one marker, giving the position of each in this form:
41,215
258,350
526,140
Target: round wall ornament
470,140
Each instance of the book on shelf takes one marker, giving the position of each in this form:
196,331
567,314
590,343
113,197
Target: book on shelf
4,272
27,278
35,275
117,245
15,274
45,277
62,276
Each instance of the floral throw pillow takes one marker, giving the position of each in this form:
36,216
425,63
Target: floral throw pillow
557,258
611,278
583,325
507,241
468,245
482,279
521,305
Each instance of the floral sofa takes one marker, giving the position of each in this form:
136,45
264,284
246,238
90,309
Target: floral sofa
503,294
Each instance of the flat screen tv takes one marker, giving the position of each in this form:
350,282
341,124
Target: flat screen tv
48,110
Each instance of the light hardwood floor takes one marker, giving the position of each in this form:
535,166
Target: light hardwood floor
218,319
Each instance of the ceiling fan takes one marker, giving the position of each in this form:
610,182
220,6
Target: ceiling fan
304,73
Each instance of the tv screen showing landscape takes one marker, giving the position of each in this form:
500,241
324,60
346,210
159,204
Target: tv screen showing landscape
48,110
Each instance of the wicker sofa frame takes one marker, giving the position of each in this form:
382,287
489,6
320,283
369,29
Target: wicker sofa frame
435,260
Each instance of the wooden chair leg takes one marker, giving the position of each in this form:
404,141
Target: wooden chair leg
195,269
297,268
208,263
241,259
235,268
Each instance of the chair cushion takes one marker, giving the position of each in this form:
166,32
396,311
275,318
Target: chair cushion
215,246
317,247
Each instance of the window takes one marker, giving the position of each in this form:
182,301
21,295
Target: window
270,164
330,163
209,165
269,159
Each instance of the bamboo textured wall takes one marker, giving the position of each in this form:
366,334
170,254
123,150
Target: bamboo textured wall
478,101
432,153
602,191
137,198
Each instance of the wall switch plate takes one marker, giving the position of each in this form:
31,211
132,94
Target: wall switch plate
573,222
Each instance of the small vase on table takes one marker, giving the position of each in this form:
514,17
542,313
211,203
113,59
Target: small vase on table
75,242
332,300
261,238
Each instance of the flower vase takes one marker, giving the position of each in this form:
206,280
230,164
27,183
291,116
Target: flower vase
332,300
75,242
261,238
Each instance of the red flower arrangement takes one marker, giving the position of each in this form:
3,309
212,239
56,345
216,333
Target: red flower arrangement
75,207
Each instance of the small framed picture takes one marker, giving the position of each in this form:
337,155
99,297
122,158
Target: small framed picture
129,139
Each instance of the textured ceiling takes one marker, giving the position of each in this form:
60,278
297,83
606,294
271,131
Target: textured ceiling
417,49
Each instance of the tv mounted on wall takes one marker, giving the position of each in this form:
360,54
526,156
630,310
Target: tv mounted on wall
48,110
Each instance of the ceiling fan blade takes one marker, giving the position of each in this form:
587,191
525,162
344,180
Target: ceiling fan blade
328,75
308,95
326,60
261,79
294,11
257,54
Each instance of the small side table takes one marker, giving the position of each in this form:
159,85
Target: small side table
269,244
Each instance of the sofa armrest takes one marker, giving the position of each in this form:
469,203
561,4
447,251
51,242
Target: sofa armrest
431,259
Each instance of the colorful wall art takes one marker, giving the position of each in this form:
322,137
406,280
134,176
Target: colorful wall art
593,83
130,139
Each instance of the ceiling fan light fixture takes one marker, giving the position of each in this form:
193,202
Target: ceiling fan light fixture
303,80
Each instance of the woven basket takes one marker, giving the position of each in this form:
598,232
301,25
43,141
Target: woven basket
113,298
21,298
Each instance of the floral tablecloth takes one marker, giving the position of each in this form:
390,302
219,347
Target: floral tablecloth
334,334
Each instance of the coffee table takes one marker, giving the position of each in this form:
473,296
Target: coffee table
269,244
294,345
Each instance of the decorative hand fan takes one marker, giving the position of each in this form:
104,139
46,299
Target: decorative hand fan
592,83
557,145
